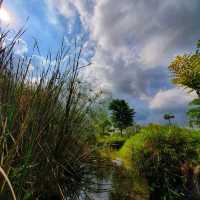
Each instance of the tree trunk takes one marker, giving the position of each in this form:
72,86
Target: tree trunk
103,130
121,131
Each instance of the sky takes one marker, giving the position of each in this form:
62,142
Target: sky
130,44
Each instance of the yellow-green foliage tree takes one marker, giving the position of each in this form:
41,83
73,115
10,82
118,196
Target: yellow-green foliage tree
185,71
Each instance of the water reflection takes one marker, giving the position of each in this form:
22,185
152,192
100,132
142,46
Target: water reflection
116,184
105,187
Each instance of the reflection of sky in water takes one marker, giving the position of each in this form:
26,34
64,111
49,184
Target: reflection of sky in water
105,185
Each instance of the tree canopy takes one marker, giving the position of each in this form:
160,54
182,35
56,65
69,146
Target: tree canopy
185,71
122,115
168,116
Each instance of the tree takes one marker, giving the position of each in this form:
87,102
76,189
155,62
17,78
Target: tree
194,112
185,70
168,116
122,114
104,125
100,119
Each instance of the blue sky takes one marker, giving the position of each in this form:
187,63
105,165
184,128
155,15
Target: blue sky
130,44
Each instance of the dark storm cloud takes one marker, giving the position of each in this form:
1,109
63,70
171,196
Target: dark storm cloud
134,36
135,42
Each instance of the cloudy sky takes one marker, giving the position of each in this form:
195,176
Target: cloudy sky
130,44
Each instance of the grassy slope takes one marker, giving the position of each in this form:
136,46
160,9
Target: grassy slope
125,154
128,152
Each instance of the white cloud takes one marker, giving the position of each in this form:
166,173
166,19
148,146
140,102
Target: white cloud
61,7
154,53
21,47
134,37
174,98
85,10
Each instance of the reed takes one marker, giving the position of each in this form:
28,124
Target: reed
44,124
8,182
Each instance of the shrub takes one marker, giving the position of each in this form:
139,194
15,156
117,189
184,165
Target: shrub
132,130
111,139
122,185
161,153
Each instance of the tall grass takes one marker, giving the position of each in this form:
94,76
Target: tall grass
8,182
43,124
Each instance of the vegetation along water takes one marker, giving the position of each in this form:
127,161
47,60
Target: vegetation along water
62,139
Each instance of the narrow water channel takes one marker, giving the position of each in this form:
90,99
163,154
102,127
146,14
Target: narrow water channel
118,185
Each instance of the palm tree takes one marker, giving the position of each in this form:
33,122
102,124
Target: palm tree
169,116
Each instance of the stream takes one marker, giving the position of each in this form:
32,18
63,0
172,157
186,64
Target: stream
118,184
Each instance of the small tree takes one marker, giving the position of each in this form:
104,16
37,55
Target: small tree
122,114
100,119
169,116
104,125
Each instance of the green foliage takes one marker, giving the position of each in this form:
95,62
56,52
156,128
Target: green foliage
167,157
122,114
132,130
105,125
43,148
122,185
194,113
126,152
185,70
107,140
100,119
160,153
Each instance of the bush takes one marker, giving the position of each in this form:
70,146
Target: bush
162,154
111,139
132,130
